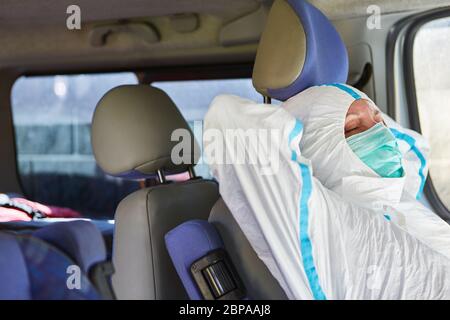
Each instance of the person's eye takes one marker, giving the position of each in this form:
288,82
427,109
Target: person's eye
351,124
352,131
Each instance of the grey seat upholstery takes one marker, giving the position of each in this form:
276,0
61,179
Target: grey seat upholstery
132,138
143,267
258,281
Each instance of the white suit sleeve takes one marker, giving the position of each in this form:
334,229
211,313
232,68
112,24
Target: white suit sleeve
253,151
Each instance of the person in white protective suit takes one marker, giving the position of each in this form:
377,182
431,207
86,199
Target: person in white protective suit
325,223
324,186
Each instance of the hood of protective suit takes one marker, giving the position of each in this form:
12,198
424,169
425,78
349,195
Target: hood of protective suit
323,109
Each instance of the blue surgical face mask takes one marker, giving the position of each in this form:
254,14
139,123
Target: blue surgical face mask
378,149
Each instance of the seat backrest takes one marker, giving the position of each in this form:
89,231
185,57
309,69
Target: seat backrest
39,266
196,239
81,240
143,267
257,279
132,138
13,270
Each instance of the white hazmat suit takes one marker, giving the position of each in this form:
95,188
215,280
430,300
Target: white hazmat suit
325,224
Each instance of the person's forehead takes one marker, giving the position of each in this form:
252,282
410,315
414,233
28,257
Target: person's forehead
360,105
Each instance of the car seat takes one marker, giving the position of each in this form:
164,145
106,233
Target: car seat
132,138
299,48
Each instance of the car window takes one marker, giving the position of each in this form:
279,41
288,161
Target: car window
52,117
431,58
193,98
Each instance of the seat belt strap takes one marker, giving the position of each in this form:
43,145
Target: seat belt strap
100,275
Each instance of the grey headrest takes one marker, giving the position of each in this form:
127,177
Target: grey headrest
132,129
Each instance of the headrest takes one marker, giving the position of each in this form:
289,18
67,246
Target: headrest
299,48
132,129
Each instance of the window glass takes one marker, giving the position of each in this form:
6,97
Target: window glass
193,98
432,78
52,117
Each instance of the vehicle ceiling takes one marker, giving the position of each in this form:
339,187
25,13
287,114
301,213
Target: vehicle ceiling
33,34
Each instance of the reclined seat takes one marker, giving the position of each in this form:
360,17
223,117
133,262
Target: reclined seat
131,138
313,54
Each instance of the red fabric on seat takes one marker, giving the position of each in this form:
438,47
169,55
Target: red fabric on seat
8,214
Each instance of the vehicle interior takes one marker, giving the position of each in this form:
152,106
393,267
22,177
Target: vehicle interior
92,91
